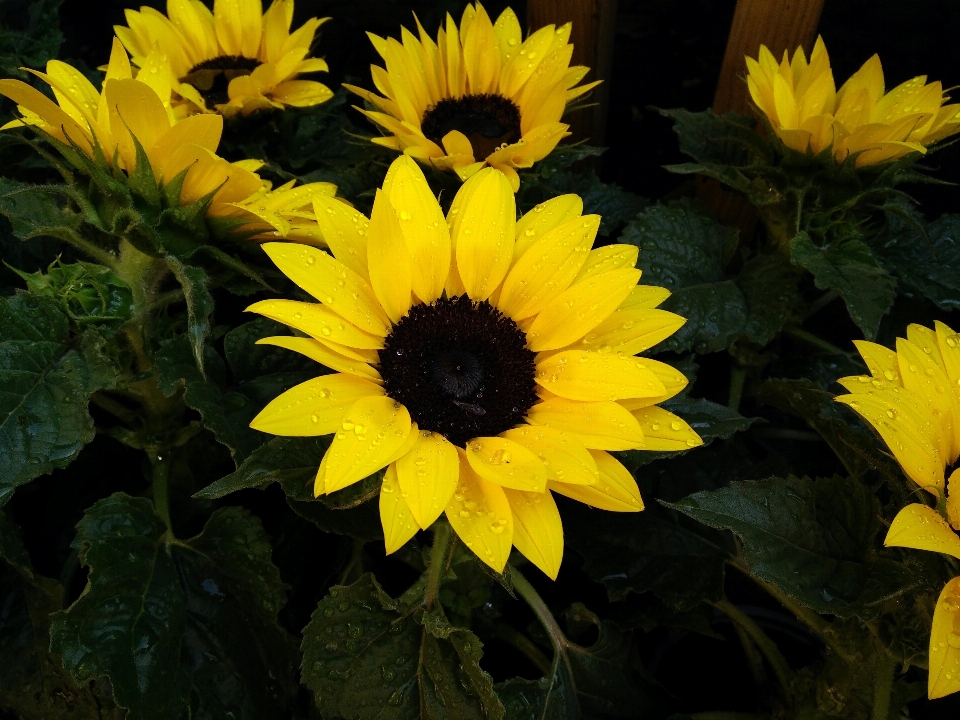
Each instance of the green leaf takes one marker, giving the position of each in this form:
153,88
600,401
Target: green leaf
87,293
684,249
36,211
769,285
853,271
34,684
367,656
178,624
926,262
814,539
199,304
46,380
29,38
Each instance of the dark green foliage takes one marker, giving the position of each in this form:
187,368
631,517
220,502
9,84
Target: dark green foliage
29,36
87,293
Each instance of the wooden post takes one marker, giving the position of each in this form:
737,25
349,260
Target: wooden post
780,25
594,25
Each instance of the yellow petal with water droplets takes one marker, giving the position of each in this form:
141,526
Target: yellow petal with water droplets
579,309
922,528
480,514
953,500
944,677
628,332
317,321
616,491
644,297
481,61
60,124
664,431
135,110
388,260
423,227
548,267
585,375
323,354
601,425
565,459
949,343
428,476
545,217
238,26
373,429
881,361
331,282
925,377
345,230
483,230
506,463
607,258
395,516
315,407
673,381
509,34
537,529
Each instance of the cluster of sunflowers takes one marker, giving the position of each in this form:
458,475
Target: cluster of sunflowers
480,361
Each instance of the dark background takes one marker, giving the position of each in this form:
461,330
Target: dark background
667,54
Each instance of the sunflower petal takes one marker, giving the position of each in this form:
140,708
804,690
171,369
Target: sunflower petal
135,110
317,321
584,375
506,463
372,430
480,514
537,529
628,332
545,217
428,476
565,459
395,516
345,230
944,677
881,361
323,354
922,528
644,297
664,431
607,258
388,261
315,407
617,491
601,425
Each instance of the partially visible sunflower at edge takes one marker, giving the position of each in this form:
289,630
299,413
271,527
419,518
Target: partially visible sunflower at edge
104,126
806,111
487,363
912,399
478,95
234,59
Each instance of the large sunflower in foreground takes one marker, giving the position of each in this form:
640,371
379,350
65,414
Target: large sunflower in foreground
234,59
487,363
479,95
806,111
912,399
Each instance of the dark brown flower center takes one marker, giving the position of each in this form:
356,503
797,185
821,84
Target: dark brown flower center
212,77
488,121
461,368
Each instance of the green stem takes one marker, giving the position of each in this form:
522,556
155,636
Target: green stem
354,566
754,658
160,463
99,254
119,411
812,339
525,645
769,649
737,377
882,685
525,590
438,562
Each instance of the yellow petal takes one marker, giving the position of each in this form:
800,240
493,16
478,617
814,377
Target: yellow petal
881,361
301,93
628,332
579,309
396,518
644,297
480,514
60,124
565,459
545,217
925,377
616,491
482,231
610,257
372,430
428,476
601,425
238,26
506,463
922,528
537,529
548,267
584,375
388,260
196,29
518,70
664,431
317,321
423,228
331,282
315,407
944,677
673,381
481,61
323,354
949,344
509,35
200,130
119,66
345,231
134,109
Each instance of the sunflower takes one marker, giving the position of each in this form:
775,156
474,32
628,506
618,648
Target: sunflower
806,111
235,59
485,363
912,399
480,95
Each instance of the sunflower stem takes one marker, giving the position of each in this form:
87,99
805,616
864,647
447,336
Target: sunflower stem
525,645
160,464
540,609
813,340
737,377
882,684
442,536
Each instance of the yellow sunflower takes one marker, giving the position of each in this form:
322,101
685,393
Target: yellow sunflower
480,95
912,399
234,59
806,111
486,362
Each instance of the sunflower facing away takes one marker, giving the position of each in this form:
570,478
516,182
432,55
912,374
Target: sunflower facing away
234,59
485,362
912,399
479,95
806,111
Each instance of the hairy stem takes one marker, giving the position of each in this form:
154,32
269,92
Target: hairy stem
160,464
102,256
882,685
525,590
438,563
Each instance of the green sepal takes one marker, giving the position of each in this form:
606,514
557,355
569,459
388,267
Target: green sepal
194,282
